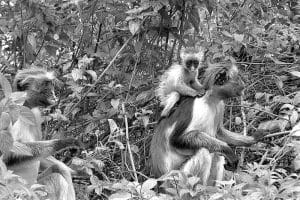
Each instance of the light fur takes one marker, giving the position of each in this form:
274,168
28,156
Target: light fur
177,80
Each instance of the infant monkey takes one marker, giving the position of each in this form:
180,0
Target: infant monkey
181,79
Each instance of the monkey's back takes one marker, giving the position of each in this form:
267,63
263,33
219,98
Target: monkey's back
168,80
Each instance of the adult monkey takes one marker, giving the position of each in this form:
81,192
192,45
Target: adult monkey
39,87
193,136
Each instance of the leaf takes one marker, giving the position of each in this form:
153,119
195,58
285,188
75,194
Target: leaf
27,116
259,95
138,47
77,74
6,141
51,50
145,120
295,73
4,121
144,95
295,132
120,196
294,117
119,144
18,97
112,126
296,100
115,103
6,87
92,73
148,185
133,26
238,37
238,120
32,41
226,34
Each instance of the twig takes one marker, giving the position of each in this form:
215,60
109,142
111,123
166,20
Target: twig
277,134
23,36
128,143
38,52
259,110
101,75
98,38
244,131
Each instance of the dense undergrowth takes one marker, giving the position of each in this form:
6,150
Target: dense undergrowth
108,56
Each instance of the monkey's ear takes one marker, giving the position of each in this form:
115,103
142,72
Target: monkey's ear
23,84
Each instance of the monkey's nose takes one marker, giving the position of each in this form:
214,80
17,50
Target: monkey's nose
53,99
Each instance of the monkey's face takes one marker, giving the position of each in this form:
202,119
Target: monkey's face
40,92
224,82
192,64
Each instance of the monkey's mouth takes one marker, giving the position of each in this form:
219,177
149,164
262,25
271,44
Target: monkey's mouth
221,78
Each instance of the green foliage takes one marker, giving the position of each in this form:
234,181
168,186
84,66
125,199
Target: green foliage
108,55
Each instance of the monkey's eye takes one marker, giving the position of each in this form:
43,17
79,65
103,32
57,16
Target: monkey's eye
190,63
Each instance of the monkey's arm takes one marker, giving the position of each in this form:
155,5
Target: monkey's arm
38,149
235,139
198,86
185,89
195,140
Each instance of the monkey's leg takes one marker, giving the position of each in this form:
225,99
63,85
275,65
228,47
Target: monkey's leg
52,166
56,184
184,89
217,169
199,165
170,101
196,140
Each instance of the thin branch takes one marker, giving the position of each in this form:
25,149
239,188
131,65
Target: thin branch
244,131
269,113
101,75
128,143
23,36
98,38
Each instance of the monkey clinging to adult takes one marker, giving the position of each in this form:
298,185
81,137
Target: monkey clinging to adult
181,79
193,138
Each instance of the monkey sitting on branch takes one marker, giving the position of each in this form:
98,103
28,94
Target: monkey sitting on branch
193,138
181,79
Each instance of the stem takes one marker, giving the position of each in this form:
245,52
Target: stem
128,144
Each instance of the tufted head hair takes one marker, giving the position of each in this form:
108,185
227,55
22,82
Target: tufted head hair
24,78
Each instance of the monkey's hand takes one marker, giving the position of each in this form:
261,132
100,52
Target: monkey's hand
201,93
260,134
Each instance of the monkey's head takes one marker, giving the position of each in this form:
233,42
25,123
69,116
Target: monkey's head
192,58
39,86
223,81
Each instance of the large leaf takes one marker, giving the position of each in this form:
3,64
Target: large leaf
5,85
27,116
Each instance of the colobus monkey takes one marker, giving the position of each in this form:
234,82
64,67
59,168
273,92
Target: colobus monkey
181,79
39,87
193,136
58,180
